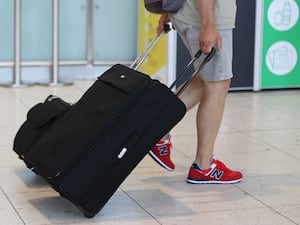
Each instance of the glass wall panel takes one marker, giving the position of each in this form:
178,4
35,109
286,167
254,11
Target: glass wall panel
6,30
115,30
72,29
36,31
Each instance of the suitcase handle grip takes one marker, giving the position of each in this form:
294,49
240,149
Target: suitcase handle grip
196,57
198,54
167,28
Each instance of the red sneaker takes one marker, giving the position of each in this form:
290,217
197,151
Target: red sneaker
218,173
161,153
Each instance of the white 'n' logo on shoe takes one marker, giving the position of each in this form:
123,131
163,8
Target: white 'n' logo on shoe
217,174
163,150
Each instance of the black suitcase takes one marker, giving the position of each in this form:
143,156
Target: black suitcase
86,150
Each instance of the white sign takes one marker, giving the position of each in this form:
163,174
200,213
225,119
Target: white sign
281,58
283,14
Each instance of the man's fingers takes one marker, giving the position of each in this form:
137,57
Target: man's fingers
206,47
219,44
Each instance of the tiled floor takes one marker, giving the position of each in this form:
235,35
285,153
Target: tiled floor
260,136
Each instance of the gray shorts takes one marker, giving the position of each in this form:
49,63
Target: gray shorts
220,66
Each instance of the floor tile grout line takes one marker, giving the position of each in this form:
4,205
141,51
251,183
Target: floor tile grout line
265,204
238,130
141,206
270,145
10,202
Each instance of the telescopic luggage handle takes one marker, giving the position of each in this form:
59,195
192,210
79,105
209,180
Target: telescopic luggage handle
143,55
203,63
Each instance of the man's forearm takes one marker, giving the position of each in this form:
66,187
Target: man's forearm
206,9
209,36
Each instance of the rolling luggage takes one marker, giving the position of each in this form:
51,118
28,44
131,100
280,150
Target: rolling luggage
86,150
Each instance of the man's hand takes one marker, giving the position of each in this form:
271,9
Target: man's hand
208,38
161,23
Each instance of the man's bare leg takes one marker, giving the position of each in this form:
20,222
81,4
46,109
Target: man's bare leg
209,117
191,95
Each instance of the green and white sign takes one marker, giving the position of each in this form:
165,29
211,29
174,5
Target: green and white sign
281,44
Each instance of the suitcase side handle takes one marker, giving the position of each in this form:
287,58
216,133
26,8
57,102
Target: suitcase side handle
196,57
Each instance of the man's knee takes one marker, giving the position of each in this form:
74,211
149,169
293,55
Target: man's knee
213,85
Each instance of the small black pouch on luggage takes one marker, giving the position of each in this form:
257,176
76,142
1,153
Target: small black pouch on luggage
39,119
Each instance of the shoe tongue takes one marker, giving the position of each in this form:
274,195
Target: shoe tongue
196,166
161,143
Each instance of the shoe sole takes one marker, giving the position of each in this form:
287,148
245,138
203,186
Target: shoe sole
191,181
156,159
